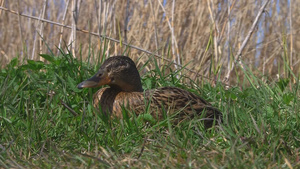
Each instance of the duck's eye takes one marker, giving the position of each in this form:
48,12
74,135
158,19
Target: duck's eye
99,74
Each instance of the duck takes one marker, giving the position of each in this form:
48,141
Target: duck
124,89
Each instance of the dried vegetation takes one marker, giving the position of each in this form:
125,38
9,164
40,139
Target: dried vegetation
203,35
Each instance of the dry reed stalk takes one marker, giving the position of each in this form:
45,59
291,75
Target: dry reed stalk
291,39
175,51
20,32
154,25
98,11
72,39
1,4
228,34
42,31
37,32
238,56
62,28
215,30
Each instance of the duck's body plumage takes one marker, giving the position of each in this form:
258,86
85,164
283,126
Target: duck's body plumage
129,94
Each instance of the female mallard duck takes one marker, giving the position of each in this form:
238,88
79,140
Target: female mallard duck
121,74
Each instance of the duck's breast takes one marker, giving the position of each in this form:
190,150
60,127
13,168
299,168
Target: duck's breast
114,101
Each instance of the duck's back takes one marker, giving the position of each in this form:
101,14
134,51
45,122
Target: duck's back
184,103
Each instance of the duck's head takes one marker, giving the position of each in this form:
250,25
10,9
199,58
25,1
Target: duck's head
119,72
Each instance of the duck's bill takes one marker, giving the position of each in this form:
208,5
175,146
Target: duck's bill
93,82
87,84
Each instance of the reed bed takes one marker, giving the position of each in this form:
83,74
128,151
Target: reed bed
202,36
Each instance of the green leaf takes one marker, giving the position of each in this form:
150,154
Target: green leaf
282,83
72,84
148,83
148,118
48,57
13,62
35,65
287,98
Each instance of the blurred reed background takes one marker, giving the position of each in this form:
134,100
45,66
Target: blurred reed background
205,36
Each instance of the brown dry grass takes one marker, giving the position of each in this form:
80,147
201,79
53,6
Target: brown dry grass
200,33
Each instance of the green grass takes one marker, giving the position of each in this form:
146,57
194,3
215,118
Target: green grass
261,123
